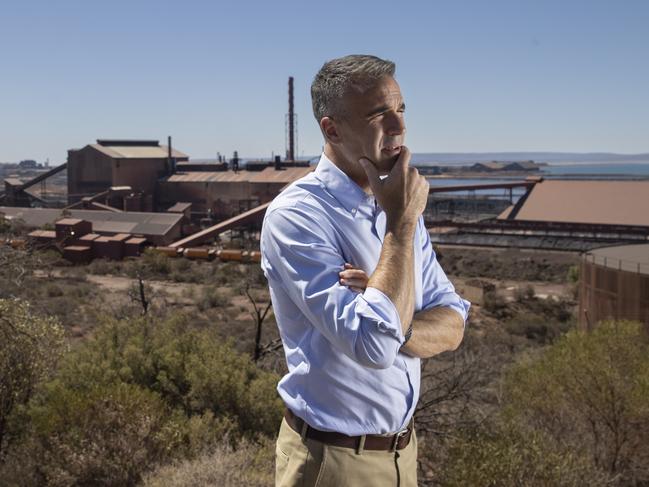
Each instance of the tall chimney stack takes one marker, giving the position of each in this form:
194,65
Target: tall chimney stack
291,120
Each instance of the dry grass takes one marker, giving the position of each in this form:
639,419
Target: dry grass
249,465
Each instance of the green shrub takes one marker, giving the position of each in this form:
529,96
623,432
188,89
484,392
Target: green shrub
590,392
573,274
191,369
138,393
212,298
30,347
506,456
106,436
537,328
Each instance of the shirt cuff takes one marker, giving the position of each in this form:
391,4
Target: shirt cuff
375,304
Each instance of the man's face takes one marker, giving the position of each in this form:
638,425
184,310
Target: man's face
373,125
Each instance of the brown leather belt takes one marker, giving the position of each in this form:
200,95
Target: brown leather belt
397,441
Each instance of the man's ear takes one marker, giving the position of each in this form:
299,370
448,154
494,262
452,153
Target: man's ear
330,130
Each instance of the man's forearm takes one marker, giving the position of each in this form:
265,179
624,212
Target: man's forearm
394,274
434,331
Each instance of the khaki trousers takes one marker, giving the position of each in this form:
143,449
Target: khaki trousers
310,463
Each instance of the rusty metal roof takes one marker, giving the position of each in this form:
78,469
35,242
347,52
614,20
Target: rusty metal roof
135,152
209,177
596,202
285,175
268,175
102,221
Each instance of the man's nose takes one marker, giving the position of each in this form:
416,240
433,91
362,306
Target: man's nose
395,125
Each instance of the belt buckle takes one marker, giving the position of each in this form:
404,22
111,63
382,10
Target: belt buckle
396,437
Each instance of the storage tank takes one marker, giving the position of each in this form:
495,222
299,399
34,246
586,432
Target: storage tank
614,283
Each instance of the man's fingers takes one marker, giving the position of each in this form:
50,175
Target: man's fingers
402,162
372,173
353,274
359,283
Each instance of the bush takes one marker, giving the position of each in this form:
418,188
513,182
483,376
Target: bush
572,275
524,294
191,369
106,436
31,345
138,393
590,392
506,456
246,465
538,328
52,290
212,298
495,303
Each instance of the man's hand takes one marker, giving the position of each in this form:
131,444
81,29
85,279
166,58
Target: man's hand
353,277
402,195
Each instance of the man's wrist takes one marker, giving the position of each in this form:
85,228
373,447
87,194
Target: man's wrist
407,334
403,231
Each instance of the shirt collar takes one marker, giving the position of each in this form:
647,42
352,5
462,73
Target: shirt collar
341,187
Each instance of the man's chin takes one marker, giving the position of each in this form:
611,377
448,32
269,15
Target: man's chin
386,164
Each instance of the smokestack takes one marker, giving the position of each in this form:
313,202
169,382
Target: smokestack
170,165
291,119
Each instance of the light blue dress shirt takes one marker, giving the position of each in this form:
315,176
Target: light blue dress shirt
345,371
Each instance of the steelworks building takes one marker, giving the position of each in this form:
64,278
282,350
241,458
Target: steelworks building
137,164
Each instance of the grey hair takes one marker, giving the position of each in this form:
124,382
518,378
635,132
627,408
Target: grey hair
337,77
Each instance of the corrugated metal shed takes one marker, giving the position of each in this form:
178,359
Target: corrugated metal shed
594,202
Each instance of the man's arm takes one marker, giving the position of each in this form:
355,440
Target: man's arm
440,325
403,196
434,331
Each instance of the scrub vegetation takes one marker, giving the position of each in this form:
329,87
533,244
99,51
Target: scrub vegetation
143,372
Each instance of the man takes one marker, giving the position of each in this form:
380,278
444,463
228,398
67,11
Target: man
354,357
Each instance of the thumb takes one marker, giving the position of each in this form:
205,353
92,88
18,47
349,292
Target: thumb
372,173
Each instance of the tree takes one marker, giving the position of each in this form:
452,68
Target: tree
259,316
31,345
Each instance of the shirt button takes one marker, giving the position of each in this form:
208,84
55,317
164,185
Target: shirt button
354,211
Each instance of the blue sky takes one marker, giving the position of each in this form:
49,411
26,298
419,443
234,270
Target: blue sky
477,76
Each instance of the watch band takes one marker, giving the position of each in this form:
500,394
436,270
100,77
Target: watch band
407,335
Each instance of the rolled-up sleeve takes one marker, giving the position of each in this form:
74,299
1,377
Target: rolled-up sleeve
437,290
298,258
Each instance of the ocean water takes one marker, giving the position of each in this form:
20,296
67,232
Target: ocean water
599,169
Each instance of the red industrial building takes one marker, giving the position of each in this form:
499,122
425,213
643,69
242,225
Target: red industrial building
223,194
137,164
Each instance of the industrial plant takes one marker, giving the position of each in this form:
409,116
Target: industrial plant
115,197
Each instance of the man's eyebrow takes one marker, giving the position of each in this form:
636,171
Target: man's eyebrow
383,108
